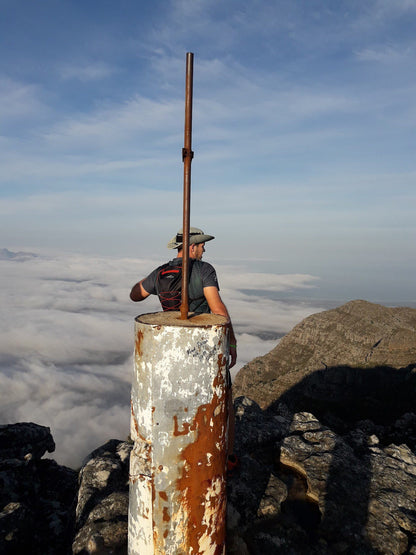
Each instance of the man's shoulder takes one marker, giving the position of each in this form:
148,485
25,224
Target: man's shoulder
207,273
204,268
203,264
154,273
174,262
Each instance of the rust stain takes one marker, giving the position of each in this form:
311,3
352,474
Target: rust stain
139,340
136,425
221,361
166,516
163,495
186,427
200,471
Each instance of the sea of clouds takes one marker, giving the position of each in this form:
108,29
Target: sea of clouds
67,335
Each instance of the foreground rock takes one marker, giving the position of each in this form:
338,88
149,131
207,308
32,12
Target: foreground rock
333,453
36,496
103,499
48,509
301,488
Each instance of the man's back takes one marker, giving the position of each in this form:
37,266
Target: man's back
166,280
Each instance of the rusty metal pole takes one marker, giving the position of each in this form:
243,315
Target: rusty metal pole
187,156
179,426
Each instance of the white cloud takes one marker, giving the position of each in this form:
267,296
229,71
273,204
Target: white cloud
387,54
20,103
110,125
66,341
386,9
269,282
92,71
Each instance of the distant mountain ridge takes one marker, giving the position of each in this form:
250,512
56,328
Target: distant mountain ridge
5,254
358,334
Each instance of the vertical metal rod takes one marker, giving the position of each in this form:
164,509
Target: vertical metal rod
187,156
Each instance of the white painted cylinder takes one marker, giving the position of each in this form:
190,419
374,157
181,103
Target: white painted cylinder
177,501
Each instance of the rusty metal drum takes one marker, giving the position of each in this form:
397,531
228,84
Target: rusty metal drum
177,501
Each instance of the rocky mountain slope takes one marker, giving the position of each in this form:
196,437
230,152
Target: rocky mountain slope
326,439
337,355
328,416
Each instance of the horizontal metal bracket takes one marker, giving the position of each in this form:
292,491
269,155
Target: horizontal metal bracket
186,153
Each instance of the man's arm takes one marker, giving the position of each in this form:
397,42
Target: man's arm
138,292
216,306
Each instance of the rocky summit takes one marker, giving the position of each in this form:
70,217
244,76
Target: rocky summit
325,438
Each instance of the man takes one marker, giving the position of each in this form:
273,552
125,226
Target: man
204,297
203,286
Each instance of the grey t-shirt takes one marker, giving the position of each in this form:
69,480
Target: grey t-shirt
202,275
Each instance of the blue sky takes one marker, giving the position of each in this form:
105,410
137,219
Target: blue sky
304,134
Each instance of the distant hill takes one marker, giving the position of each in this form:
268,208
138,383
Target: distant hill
5,254
356,337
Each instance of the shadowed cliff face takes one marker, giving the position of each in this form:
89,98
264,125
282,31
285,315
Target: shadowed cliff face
341,396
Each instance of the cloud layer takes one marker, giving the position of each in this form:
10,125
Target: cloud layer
66,340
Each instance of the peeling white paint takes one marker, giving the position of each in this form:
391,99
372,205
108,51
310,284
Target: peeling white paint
176,371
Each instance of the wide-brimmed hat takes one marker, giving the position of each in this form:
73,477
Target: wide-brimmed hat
195,236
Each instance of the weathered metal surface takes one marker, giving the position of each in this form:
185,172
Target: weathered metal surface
187,156
179,426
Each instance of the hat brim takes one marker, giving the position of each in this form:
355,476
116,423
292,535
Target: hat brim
193,240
